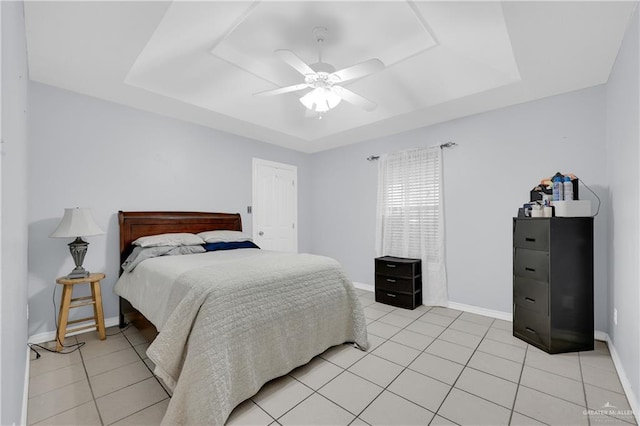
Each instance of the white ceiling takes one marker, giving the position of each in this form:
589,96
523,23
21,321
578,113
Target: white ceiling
202,61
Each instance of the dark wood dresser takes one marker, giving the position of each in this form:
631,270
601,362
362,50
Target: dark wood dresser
399,281
553,283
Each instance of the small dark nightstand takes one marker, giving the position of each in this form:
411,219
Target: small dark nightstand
399,281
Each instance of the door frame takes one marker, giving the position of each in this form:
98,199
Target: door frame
259,161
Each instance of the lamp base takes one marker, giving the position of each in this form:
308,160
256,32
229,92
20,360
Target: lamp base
78,272
78,249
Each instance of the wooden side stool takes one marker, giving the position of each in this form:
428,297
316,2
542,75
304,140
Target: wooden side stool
66,303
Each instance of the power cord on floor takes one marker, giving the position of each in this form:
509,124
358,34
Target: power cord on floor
121,330
75,346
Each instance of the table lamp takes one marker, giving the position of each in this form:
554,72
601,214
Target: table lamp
76,223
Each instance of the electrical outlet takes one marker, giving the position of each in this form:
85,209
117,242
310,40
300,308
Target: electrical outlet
615,316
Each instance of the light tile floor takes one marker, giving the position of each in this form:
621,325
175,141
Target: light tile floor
432,366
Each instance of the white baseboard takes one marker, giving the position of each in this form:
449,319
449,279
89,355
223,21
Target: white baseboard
601,335
507,316
48,336
367,287
453,305
634,402
25,389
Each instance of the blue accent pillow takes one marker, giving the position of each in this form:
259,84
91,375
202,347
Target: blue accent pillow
229,245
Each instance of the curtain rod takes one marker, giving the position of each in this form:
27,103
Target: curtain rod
443,145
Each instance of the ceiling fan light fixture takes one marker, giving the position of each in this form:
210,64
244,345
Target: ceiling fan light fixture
321,99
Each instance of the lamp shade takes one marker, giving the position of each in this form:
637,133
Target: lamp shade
76,222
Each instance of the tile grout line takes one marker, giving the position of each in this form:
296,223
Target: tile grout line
584,390
344,370
145,364
93,399
544,392
313,391
457,317
129,385
364,378
515,397
93,396
407,367
461,371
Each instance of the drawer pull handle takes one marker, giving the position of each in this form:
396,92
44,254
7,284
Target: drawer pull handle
529,269
530,240
528,299
391,295
530,330
390,280
390,265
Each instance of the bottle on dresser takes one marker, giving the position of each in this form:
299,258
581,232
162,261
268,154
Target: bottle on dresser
568,188
558,188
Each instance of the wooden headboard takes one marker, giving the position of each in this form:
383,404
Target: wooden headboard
134,225
139,224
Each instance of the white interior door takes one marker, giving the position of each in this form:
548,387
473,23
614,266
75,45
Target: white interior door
275,206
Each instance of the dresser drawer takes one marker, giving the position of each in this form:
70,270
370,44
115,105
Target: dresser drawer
401,300
532,264
397,267
531,233
404,285
531,326
531,294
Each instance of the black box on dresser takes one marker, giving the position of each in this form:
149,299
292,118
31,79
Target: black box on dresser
398,281
553,283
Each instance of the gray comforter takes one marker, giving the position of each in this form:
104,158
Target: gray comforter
236,325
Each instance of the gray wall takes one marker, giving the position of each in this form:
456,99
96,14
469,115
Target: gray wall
90,153
501,155
623,203
13,260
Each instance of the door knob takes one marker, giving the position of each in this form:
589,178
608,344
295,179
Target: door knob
261,233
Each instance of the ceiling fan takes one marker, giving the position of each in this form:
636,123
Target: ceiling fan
325,81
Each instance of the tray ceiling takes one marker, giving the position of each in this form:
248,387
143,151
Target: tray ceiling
202,61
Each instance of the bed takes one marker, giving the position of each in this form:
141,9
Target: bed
225,323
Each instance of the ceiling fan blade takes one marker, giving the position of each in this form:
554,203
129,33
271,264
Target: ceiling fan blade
355,99
282,90
359,70
294,60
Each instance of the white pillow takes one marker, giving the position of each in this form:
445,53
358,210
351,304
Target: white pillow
224,236
173,239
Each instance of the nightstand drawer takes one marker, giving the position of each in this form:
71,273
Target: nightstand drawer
532,264
531,234
531,294
397,267
392,283
401,300
531,326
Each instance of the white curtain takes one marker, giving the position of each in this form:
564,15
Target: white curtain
410,219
